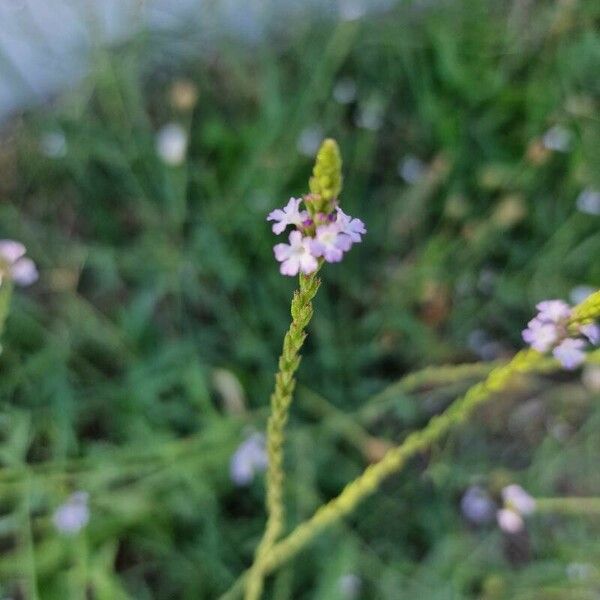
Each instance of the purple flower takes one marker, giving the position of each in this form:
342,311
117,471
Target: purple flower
296,256
516,498
570,353
72,516
15,265
553,311
477,506
330,243
353,228
591,332
540,335
289,215
248,459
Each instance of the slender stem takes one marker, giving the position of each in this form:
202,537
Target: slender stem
6,288
523,362
281,399
394,459
568,506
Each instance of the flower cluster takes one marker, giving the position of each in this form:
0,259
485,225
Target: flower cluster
517,504
550,330
14,265
479,508
316,235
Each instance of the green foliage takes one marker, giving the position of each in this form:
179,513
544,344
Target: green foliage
135,365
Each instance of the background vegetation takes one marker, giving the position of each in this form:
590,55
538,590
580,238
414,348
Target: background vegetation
141,359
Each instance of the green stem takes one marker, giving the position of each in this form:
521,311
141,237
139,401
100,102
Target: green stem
281,399
568,506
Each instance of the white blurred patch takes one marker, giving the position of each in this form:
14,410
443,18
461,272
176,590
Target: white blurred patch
309,140
53,144
352,10
171,144
580,292
588,202
558,139
370,115
591,377
350,586
411,169
344,91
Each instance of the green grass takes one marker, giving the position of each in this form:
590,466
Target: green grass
154,277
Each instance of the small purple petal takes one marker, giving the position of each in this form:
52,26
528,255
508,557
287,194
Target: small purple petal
249,458
553,311
10,251
591,332
24,272
539,335
570,353
72,516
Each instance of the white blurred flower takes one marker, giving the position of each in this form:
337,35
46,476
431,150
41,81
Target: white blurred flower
509,521
15,265
344,91
370,115
515,497
72,516
477,506
591,377
249,458
411,169
172,143
580,571
309,140
53,144
557,138
480,342
588,201
350,586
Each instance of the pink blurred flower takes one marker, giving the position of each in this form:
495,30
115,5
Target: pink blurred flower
515,497
15,265
509,521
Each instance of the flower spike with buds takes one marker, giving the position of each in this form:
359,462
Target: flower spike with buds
323,231
554,328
